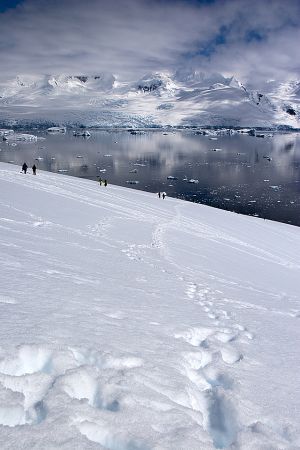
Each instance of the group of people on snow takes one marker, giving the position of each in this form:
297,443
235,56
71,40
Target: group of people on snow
25,167
102,181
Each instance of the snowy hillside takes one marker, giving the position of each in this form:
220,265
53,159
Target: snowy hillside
157,99
131,322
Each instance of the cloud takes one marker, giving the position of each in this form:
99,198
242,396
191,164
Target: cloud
87,37
132,37
261,41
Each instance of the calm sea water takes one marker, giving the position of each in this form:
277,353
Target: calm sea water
241,173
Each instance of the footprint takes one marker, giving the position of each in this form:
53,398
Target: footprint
230,355
212,316
206,395
218,379
196,336
81,384
225,336
30,359
197,360
220,421
109,438
191,290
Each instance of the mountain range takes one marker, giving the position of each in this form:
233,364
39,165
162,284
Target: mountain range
184,98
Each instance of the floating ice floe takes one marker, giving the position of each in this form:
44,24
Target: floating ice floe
102,170
192,180
84,133
216,149
25,137
133,171
132,182
170,177
20,137
62,170
56,130
134,132
5,132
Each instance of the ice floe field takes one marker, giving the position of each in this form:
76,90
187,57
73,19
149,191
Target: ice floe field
130,322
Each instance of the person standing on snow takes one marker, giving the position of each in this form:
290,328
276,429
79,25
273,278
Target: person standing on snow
100,181
164,195
24,167
34,169
105,183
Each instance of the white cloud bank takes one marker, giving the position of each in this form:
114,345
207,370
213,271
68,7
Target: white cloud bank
254,40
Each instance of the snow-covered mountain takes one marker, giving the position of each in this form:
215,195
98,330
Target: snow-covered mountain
184,98
129,322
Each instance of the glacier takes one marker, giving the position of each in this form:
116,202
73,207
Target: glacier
183,98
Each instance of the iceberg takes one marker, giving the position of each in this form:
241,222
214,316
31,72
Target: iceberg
56,130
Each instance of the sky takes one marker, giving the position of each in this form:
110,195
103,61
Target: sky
253,40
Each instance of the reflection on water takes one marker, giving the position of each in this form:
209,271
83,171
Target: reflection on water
240,173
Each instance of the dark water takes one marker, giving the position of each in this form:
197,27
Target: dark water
237,177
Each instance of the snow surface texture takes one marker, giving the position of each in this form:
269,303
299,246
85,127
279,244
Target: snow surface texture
158,99
130,322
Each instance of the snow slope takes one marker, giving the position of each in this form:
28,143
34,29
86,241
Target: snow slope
131,322
157,99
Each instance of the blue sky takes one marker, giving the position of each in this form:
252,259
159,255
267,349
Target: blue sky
8,4
254,40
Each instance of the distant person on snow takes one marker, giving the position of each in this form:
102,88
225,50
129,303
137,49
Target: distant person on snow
24,168
105,183
100,181
158,195
164,195
34,169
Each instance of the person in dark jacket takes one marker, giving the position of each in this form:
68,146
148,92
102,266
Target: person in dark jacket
34,169
105,183
24,168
